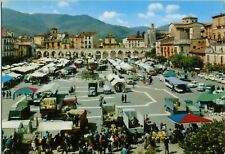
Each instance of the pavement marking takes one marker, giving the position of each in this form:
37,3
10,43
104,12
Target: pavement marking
170,93
93,117
147,94
94,99
89,107
15,105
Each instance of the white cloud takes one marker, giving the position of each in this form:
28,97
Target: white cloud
109,15
142,15
171,8
155,6
55,11
65,3
113,17
174,17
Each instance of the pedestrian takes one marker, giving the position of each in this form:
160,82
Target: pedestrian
44,144
173,88
7,94
166,144
125,98
3,94
122,98
10,94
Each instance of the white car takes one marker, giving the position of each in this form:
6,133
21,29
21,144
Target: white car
212,77
201,87
201,75
193,84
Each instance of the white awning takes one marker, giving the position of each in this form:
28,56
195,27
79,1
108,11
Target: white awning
55,125
51,87
115,81
38,74
14,74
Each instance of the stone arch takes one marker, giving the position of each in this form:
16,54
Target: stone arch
98,54
46,54
60,54
68,54
136,53
53,54
141,53
105,54
75,55
120,54
127,54
113,54
39,54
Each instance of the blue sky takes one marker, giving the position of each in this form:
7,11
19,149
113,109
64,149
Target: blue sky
124,12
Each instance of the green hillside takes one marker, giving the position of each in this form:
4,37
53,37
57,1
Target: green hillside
23,23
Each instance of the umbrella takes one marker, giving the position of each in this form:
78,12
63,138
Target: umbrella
188,118
25,90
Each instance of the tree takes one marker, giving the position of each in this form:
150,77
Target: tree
208,139
143,34
138,34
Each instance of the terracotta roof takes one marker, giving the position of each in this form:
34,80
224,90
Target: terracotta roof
134,38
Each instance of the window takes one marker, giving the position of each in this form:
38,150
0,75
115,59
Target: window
207,58
194,47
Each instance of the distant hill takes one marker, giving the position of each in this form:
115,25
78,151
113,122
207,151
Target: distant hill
164,27
24,23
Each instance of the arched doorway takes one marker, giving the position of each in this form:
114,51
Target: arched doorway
68,54
105,55
135,53
120,55
128,54
39,54
53,54
97,55
60,54
46,54
113,54
75,55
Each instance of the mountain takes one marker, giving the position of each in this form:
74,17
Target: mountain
24,23
164,27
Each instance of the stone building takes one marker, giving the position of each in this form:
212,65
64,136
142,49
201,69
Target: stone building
7,46
215,54
183,37
110,42
133,42
150,36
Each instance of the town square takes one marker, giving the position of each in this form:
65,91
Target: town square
78,83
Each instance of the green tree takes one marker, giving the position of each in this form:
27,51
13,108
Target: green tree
138,34
209,139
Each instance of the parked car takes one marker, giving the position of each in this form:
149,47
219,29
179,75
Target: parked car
201,87
201,75
193,84
211,77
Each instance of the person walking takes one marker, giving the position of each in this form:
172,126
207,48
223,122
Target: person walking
166,144
125,98
122,98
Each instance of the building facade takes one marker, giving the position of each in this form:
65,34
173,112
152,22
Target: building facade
150,36
110,42
7,46
133,42
183,37
215,54
218,28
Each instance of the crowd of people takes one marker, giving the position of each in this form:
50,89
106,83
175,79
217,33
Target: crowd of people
6,94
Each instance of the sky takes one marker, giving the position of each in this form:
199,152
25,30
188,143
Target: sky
128,13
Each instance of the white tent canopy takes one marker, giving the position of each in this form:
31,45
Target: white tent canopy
115,81
38,74
55,125
14,74
51,87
